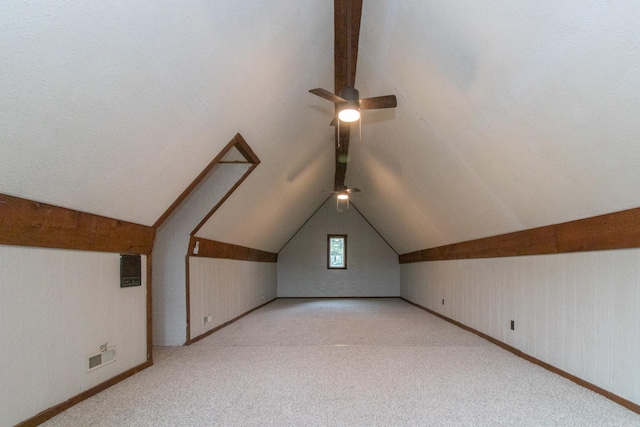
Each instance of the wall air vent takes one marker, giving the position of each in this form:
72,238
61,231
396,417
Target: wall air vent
101,359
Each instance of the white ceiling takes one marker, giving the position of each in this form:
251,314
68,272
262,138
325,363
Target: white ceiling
511,115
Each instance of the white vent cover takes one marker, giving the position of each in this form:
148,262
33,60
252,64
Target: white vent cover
101,359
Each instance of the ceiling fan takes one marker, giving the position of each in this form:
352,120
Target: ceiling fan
347,14
348,102
344,195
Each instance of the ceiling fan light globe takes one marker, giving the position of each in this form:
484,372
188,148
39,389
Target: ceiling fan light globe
343,196
349,115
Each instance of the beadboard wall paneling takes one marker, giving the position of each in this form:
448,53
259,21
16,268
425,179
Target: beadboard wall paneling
226,289
579,312
56,308
372,265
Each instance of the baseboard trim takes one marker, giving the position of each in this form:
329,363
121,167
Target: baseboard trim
61,407
395,296
217,328
614,397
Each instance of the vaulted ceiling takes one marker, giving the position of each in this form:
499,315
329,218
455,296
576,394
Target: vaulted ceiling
511,115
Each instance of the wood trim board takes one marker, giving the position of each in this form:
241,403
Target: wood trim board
341,297
241,145
617,230
217,328
61,407
33,224
55,410
187,295
29,223
244,149
213,249
149,309
224,198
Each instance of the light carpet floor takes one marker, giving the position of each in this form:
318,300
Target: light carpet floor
352,362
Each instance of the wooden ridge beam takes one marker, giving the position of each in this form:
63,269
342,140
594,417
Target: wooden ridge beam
341,41
346,35
342,155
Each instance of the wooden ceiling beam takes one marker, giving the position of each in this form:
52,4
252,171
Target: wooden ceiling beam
341,34
345,72
29,223
342,156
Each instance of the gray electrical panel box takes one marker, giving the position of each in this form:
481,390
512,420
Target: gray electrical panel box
130,270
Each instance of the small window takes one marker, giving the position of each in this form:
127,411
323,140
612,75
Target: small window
336,251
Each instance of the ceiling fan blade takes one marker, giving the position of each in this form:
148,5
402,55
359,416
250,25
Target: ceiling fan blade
387,101
323,93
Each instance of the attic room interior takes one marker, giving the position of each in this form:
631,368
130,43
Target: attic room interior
185,215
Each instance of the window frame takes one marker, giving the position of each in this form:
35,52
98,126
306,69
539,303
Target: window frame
344,240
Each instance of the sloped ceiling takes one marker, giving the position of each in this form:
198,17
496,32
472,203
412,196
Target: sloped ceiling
511,115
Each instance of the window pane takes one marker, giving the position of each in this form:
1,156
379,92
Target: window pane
337,252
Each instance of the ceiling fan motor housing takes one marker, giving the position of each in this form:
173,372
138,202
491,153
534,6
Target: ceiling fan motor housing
350,94
349,110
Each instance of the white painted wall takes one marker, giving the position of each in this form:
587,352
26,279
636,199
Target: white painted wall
372,266
579,312
170,251
226,288
56,308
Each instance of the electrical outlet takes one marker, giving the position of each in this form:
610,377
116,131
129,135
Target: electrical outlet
261,297
206,319
513,325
